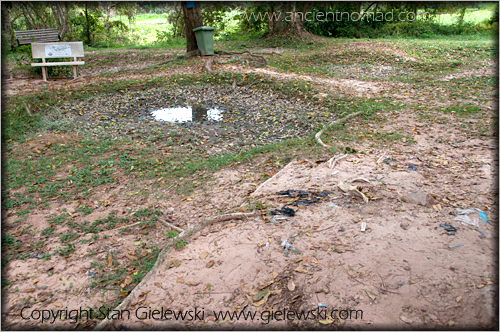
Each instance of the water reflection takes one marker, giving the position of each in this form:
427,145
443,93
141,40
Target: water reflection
187,114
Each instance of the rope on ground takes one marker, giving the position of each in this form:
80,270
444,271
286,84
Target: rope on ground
103,325
319,133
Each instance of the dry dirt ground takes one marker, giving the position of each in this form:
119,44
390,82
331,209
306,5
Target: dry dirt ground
384,263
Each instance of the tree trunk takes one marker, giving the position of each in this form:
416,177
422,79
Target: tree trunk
176,23
192,20
270,19
285,19
87,24
7,25
60,11
30,20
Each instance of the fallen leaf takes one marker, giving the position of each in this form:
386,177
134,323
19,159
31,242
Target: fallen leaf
180,280
291,285
204,254
138,243
57,304
173,263
264,284
371,295
35,280
260,295
230,225
132,257
191,283
157,284
210,264
406,319
128,280
275,274
29,290
110,261
326,321
362,270
263,301
301,269
459,298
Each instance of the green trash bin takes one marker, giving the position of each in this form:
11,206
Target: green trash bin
205,40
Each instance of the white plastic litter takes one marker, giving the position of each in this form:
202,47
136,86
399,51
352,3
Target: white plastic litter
363,226
471,217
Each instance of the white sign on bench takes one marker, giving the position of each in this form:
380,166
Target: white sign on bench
57,50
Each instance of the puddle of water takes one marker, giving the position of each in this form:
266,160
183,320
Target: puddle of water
187,114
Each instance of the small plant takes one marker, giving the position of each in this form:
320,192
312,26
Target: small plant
70,248
59,219
172,234
180,244
68,237
48,231
84,209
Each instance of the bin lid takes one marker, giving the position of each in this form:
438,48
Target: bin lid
204,29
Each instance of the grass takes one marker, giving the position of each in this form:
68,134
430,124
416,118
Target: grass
484,12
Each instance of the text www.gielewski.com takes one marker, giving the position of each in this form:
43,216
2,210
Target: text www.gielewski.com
268,316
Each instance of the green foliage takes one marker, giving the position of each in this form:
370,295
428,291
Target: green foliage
214,14
393,20
248,21
85,27
172,234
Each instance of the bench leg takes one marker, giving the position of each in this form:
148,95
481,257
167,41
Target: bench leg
75,72
44,73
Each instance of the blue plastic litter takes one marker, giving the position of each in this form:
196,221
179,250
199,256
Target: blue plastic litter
412,168
91,274
482,216
321,305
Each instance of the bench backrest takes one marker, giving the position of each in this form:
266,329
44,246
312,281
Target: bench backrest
39,36
57,50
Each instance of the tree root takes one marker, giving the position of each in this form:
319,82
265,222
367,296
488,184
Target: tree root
166,223
162,63
207,65
103,325
319,133
232,56
251,54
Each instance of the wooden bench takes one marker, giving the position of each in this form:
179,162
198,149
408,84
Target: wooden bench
57,50
37,36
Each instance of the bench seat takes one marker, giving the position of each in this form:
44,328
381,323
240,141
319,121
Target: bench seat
44,51
65,63
27,37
